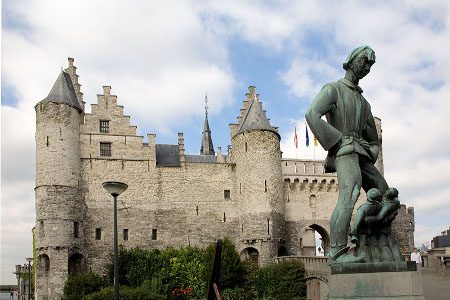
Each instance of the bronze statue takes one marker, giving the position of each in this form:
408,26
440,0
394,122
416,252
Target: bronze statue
351,139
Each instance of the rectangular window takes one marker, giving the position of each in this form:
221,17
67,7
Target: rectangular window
42,229
154,234
98,233
105,149
104,126
75,229
125,234
226,194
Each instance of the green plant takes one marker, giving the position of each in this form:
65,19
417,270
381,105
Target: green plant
82,284
283,281
230,269
126,293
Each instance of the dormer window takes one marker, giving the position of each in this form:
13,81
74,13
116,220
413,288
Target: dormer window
104,126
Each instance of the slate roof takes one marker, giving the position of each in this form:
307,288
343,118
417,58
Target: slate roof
201,158
63,91
167,155
254,119
207,147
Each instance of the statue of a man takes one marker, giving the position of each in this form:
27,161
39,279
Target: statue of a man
351,139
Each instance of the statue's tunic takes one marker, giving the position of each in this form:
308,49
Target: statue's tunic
349,120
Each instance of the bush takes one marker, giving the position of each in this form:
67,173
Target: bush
237,294
230,267
126,293
161,271
82,284
283,281
250,271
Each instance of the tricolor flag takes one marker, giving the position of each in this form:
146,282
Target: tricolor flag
307,136
295,137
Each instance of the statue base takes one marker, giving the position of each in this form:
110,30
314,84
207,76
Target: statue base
367,281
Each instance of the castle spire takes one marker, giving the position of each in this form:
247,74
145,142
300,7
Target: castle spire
207,147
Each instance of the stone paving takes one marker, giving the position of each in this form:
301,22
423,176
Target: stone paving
435,286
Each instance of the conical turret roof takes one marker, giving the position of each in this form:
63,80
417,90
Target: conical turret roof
254,118
63,91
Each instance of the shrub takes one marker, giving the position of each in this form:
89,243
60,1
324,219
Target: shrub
126,293
82,284
283,281
230,267
250,271
238,294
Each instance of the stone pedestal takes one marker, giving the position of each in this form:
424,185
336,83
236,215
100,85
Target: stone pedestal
394,282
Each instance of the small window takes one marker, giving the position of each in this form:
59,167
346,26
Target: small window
75,229
98,233
154,234
245,146
265,186
226,194
42,228
104,126
125,234
105,149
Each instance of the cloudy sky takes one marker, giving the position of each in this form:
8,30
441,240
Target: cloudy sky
162,57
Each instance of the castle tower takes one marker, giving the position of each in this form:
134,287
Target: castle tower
207,147
256,153
59,206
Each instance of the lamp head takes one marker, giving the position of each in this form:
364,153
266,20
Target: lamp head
29,259
114,188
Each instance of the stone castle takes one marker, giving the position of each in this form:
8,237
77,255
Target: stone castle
268,205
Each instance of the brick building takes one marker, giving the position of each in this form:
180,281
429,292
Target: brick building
268,205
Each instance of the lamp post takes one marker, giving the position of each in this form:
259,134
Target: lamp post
29,260
115,189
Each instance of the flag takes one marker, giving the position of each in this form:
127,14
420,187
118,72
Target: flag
315,141
295,137
307,137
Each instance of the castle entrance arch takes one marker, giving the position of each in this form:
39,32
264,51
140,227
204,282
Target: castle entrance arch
324,238
282,251
250,253
76,264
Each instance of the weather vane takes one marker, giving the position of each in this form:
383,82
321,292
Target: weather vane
206,104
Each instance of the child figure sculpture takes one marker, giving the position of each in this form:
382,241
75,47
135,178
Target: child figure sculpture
363,234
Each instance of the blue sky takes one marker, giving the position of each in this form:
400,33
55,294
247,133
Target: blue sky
161,58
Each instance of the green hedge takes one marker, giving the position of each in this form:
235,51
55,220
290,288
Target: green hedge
82,284
230,267
126,293
149,274
283,281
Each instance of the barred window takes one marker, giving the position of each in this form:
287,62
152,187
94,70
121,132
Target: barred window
226,194
104,126
105,149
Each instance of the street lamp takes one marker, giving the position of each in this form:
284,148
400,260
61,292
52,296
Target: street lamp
115,189
29,260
